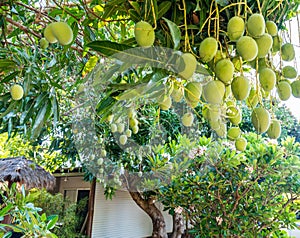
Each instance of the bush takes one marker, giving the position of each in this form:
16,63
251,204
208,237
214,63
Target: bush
70,218
231,194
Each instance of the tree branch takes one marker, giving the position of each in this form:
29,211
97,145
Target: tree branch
23,28
35,10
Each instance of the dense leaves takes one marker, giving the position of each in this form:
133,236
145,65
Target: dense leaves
250,194
59,81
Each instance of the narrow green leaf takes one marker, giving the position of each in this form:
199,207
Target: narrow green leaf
7,64
136,6
23,191
109,11
138,55
33,219
5,97
40,99
52,235
175,33
10,77
10,108
163,8
55,110
105,104
136,92
6,209
134,16
8,234
39,121
108,48
27,114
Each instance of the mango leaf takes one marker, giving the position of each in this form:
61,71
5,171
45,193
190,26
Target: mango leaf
39,121
7,64
134,15
28,112
105,104
163,8
109,11
10,108
55,110
175,33
136,92
10,77
108,48
136,6
33,219
128,54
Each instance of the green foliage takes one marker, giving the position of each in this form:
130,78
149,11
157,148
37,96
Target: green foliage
250,194
40,154
52,77
70,217
25,216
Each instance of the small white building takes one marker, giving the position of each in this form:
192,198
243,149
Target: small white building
120,217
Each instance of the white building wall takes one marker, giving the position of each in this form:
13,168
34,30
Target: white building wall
121,217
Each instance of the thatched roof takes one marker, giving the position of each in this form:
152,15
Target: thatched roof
26,172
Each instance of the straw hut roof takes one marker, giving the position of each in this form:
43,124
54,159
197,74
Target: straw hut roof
25,172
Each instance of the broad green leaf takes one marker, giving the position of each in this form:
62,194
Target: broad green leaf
129,41
175,33
163,8
52,222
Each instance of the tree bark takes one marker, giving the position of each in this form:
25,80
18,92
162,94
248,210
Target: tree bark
158,221
178,226
91,208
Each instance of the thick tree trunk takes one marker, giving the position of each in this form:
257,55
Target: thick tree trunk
178,226
158,221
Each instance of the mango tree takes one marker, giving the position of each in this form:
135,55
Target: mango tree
158,63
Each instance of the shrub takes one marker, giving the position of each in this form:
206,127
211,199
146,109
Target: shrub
231,194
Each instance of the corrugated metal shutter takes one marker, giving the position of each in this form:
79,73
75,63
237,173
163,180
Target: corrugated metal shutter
120,217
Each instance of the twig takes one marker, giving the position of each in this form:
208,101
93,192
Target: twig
35,10
23,28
